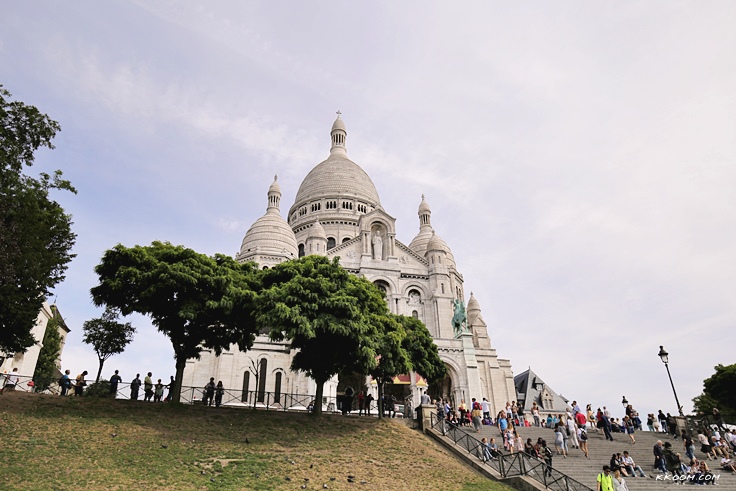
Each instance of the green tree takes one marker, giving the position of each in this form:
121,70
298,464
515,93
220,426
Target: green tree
719,391
392,358
405,345
107,336
195,300
46,368
35,233
423,353
327,315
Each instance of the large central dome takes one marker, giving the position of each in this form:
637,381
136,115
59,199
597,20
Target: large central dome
338,176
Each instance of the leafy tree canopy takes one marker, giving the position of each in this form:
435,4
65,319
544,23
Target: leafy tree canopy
195,300
405,345
328,316
107,336
45,372
719,391
35,233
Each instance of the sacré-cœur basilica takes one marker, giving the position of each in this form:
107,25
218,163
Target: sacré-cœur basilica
338,212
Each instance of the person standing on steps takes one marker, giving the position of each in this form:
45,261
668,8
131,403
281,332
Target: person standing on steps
135,386
604,479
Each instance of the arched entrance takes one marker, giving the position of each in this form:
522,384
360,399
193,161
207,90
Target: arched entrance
445,388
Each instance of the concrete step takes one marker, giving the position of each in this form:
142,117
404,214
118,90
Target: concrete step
600,450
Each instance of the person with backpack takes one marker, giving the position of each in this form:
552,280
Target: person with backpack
209,392
605,480
65,382
583,440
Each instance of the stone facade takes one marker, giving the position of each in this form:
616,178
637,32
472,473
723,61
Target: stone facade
337,212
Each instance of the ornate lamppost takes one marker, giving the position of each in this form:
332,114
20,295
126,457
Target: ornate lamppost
664,356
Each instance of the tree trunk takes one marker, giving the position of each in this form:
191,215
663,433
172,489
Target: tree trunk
380,397
99,371
176,391
318,398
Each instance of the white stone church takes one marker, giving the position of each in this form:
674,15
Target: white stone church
337,212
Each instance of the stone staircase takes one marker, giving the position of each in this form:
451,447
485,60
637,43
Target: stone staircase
600,450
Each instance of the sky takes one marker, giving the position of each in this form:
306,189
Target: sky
579,157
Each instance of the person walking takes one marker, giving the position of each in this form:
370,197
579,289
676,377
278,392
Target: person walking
476,413
583,439
560,440
604,480
572,432
135,386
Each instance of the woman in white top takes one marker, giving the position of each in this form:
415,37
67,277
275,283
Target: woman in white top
619,483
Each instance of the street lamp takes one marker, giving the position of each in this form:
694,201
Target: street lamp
624,402
664,356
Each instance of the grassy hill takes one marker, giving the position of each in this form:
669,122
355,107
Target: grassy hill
54,443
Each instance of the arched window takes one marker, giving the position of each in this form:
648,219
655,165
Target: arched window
443,287
345,239
246,383
330,243
262,380
301,250
277,388
415,314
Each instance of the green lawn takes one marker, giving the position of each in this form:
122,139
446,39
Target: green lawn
54,443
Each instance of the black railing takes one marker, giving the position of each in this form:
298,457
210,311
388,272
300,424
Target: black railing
509,465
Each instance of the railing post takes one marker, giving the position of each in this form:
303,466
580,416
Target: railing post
567,484
502,464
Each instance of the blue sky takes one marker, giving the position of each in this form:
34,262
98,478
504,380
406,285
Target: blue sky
579,158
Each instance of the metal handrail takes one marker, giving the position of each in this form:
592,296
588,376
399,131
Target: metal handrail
513,465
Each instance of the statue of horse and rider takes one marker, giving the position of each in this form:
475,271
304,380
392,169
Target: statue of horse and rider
459,318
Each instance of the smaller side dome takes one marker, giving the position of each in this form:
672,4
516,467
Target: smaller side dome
316,231
473,305
270,234
437,244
